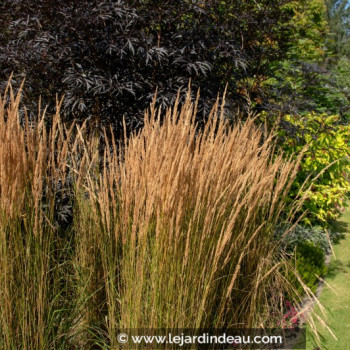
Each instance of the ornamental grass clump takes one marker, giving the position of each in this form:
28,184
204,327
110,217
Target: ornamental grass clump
176,229
33,162
173,227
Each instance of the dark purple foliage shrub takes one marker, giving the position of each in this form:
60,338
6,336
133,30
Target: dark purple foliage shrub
108,57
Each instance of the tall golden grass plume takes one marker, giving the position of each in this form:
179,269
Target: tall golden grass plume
189,216
32,163
175,229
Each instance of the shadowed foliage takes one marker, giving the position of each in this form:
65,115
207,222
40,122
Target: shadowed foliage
109,57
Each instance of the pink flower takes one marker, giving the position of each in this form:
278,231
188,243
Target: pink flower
295,321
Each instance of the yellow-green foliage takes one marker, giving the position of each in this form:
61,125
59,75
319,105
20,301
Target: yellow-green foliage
326,158
310,19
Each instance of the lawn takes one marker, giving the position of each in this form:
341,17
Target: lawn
335,296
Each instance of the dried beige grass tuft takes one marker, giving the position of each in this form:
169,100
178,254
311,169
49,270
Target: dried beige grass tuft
172,230
181,224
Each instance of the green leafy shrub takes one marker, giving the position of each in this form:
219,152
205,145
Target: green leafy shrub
303,82
316,235
326,159
309,260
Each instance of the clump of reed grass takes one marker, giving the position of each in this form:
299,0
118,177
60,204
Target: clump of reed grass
33,161
177,230
172,230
